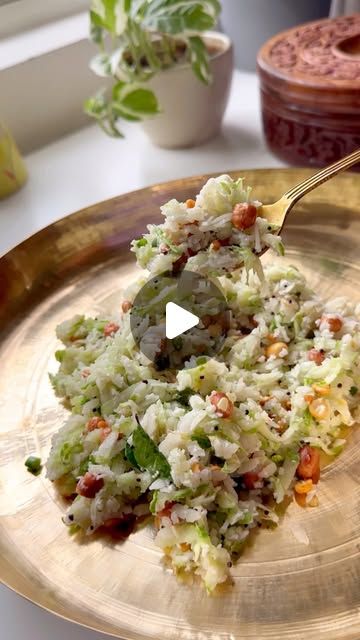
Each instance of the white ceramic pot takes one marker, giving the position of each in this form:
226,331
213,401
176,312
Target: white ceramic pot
192,112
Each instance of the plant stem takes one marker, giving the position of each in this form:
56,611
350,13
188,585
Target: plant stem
167,51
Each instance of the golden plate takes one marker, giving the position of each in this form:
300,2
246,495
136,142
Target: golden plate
301,581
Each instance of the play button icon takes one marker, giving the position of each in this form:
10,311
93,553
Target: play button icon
178,320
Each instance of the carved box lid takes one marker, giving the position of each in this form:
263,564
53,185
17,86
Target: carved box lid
315,65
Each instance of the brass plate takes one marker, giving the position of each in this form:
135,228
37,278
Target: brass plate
299,582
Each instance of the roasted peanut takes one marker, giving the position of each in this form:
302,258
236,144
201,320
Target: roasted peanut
244,215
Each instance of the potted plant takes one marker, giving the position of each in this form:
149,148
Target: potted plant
164,66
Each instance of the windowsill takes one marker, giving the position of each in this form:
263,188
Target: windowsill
44,79
49,37
88,166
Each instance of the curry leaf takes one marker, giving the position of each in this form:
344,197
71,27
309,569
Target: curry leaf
130,455
148,456
184,395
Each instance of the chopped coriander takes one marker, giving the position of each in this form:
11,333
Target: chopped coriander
84,465
276,457
202,440
74,528
184,395
307,418
33,465
177,343
161,362
353,391
272,325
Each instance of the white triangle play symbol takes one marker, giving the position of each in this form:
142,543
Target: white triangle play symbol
178,320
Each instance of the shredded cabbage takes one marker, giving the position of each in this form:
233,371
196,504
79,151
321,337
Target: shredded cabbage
142,441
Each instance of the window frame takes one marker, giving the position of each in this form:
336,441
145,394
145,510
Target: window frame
17,16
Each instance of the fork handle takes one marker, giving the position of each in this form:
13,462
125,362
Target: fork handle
297,192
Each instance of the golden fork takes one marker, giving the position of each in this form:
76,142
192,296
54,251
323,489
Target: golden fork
277,212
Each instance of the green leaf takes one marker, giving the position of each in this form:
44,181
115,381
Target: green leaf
118,91
135,54
128,5
96,28
199,59
101,110
148,456
292,455
184,395
33,465
307,418
95,20
181,494
178,16
96,34
105,64
84,465
202,533
353,391
96,106
281,249
152,506
109,14
122,113
67,451
130,456
101,65
133,103
143,47
177,343
141,101
272,325
246,519
73,529
202,440
59,355
162,238
276,457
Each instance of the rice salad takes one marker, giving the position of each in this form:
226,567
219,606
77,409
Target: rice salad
218,232
212,450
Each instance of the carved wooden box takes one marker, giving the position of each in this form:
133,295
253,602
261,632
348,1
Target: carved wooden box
310,91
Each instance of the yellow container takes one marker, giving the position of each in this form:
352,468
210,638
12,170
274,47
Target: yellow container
13,172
